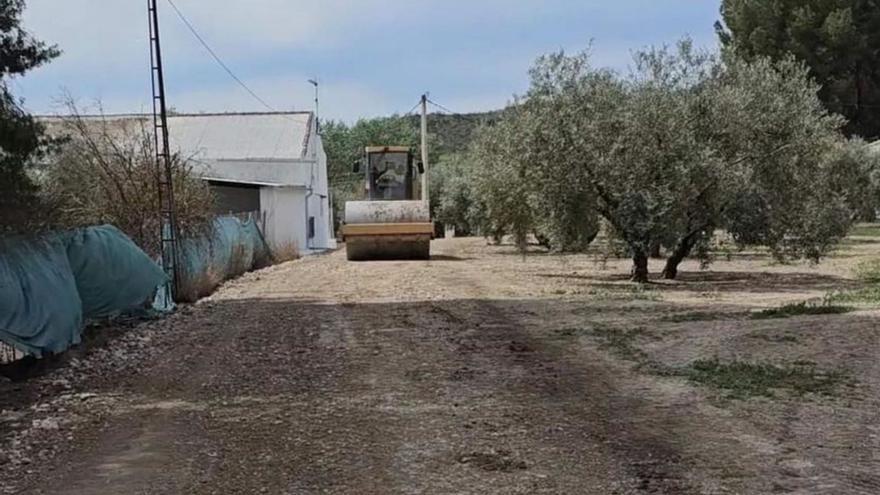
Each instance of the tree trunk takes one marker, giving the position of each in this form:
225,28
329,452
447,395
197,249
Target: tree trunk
640,267
858,115
682,250
655,250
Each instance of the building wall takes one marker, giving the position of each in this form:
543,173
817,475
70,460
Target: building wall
285,172
319,201
290,191
284,211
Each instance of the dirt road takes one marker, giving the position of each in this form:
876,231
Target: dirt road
475,372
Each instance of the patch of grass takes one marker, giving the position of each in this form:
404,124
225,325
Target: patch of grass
868,271
801,308
288,251
742,379
804,362
620,342
631,292
866,295
701,316
868,230
775,338
570,332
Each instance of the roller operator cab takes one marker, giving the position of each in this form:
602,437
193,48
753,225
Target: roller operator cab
393,223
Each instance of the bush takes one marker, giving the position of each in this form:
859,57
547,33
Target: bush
105,173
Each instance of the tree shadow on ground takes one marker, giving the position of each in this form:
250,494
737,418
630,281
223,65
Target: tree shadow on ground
532,251
495,365
444,257
487,352
722,281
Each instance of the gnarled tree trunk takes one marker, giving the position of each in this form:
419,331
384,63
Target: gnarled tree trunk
655,250
681,251
640,266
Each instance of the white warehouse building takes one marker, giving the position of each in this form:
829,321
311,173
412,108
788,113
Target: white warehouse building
273,163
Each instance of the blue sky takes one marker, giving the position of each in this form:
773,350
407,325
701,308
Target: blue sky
373,57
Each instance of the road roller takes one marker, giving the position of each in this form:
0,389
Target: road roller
393,223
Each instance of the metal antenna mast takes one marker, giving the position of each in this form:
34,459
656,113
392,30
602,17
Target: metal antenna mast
314,82
164,175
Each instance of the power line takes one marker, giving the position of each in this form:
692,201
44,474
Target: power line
441,107
217,58
411,110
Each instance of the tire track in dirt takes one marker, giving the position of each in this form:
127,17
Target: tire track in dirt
581,389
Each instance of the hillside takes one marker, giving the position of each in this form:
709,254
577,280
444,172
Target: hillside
454,132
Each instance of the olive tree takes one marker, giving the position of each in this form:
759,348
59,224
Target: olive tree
630,149
501,177
792,187
687,143
522,187
452,193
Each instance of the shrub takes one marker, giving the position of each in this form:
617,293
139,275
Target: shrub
105,173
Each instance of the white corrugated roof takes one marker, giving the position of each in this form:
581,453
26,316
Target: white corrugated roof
258,136
259,148
226,136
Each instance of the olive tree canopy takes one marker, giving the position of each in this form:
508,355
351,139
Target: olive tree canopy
685,144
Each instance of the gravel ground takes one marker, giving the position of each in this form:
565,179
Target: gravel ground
472,373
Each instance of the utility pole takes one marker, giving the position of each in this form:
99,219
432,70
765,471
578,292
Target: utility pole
164,174
425,195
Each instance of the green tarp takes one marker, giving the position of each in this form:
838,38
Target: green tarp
40,309
112,274
48,286
234,247
51,285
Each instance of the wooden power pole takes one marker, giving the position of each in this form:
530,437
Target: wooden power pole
425,195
